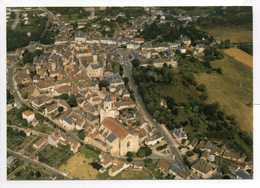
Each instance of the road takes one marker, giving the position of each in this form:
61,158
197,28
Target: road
11,84
161,128
38,163
16,21
34,132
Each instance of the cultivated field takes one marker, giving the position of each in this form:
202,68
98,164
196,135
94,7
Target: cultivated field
240,56
78,166
234,34
233,90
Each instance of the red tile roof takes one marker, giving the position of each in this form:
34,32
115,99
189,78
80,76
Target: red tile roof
115,127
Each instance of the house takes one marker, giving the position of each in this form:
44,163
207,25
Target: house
108,109
178,172
179,134
51,109
232,155
117,167
61,90
242,174
78,119
40,143
67,123
28,131
186,41
34,123
132,46
23,78
115,80
154,139
55,138
94,138
203,169
72,121
137,165
106,160
28,115
139,40
164,166
118,139
95,70
74,145
40,101
80,36
10,161
125,104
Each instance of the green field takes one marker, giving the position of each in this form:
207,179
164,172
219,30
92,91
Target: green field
233,90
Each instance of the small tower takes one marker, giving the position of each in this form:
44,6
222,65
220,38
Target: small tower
107,105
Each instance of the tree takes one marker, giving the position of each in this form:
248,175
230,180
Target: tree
27,57
121,70
129,156
81,134
103,83
148,163
135,62
201,87
126,80
10,97
144,151
63,96
60,109
72,101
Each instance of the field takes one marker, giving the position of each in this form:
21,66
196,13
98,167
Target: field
233,90
240,56
234,34
78,167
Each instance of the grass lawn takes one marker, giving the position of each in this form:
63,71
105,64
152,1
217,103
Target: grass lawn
234,34
233,90
78,167
127,174
131,174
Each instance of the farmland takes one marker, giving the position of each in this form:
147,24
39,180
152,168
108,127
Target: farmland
235,34
240,56
233,90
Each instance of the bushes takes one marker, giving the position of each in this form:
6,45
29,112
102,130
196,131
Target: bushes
90,152
70,99
144,151
130,156
55,156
